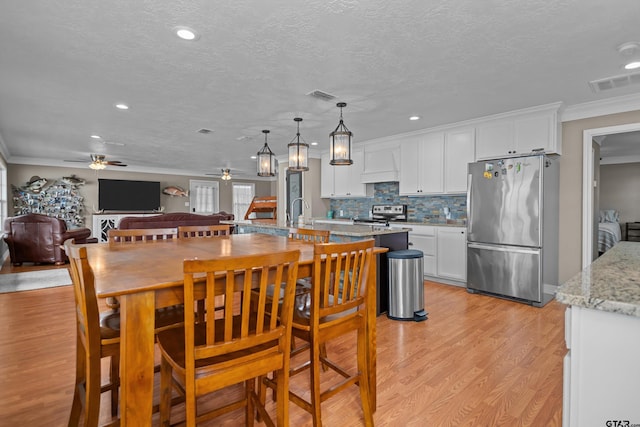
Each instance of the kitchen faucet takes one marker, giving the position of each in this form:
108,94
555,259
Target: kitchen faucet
306,205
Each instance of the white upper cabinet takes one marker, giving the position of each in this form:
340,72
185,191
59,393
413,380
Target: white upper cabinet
436,163
520,133
421,160
344,181
459,151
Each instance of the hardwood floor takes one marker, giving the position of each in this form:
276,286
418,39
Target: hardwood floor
477,361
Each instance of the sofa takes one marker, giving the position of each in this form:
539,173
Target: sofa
38,238
173,220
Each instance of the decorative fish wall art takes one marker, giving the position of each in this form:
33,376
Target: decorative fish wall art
174,191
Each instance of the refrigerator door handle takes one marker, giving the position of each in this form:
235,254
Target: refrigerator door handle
514,249
469,209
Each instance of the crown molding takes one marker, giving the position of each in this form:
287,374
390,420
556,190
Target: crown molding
602,107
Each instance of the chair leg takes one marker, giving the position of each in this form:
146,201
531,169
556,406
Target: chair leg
363,381
323,355
92,391
315,383
250,408
76,406
165,392
115,382
282,392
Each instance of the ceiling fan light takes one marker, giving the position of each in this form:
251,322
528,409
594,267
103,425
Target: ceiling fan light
266,159
226,175
298,152
632,65
97,166
340,141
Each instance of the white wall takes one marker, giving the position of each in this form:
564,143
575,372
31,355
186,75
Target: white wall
620,190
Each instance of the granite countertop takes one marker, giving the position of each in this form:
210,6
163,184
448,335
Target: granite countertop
354,230
611,283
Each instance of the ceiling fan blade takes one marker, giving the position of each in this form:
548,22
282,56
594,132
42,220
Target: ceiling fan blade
76,161
114,164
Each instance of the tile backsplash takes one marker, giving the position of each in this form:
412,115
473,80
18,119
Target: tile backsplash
419,209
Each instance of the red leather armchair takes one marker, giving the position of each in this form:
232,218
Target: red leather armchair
38,238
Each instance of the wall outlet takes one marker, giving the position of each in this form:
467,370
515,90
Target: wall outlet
341,213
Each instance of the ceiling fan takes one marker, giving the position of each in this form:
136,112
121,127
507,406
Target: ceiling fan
99,161
225,175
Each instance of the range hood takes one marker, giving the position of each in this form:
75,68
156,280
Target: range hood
380,165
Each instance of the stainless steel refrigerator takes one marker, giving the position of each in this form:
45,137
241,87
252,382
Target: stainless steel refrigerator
512,228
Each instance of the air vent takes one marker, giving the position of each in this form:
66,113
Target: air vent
614,82
205,131
324,96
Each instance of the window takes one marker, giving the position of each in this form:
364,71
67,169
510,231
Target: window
242,197
204,196
4,192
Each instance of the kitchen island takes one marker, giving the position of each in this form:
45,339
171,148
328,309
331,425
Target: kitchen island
602,332
392,238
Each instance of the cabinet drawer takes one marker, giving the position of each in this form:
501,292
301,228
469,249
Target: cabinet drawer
426,244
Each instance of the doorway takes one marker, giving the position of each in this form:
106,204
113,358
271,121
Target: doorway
590,160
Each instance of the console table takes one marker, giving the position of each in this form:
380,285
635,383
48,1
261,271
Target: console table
633,231
102,223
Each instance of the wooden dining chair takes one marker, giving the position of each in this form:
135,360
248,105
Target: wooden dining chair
140,235
96,338
195,231
335,306
205,231
309,235
242,346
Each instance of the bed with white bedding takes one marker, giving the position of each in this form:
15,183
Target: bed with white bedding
609,234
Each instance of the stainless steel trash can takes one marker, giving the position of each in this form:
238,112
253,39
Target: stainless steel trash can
406,285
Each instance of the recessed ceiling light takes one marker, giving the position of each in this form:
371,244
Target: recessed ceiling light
314,143
632,65
253,157
95,136
122,106
414,118
186,33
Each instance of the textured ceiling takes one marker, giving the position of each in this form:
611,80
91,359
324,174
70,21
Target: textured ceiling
63,66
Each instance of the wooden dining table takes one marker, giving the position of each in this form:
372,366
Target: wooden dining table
148,276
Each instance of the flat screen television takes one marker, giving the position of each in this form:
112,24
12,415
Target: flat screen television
126,195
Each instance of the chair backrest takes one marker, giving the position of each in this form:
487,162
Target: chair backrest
309,235
340,278
141,235
252,334
194,231
87,313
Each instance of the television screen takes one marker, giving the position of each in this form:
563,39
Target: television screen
125,195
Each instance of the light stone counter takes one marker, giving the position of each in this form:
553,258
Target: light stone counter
355,230
611,283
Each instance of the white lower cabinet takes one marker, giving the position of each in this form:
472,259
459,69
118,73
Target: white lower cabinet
452,253
444,249
601,373
423,238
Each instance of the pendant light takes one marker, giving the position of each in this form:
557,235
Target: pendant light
266,159
340,142
298,152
